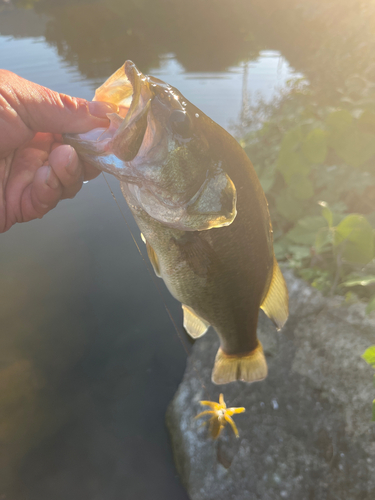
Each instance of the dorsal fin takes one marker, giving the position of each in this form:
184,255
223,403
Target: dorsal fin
194,324
275,304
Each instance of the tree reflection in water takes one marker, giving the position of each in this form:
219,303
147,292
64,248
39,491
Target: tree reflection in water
97,36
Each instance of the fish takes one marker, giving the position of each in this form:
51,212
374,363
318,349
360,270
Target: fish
201,211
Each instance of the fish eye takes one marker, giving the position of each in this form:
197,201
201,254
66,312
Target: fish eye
180,123
160,94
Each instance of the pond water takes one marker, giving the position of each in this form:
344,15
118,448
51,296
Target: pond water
89,358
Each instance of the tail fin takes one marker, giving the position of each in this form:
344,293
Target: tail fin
275,304
249,368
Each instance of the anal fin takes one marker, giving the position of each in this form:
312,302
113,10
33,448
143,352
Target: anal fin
251,367
194,324
275,304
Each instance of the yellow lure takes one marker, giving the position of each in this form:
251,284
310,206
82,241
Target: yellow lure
221,416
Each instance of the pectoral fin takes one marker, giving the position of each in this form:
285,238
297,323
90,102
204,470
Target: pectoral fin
193,324
153,257
197,253
275,304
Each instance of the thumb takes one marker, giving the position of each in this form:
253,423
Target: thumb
43,110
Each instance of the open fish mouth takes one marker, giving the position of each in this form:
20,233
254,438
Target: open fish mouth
106,147
147,146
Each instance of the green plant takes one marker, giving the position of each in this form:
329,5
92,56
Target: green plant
369,357
305,152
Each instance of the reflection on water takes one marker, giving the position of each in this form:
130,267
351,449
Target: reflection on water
88,357
34,60
218,94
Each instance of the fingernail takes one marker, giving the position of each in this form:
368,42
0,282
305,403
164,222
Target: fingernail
100,109
51,179
72,167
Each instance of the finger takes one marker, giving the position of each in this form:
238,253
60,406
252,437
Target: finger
56,145
44,110
42,195
66,165
89,172
68,168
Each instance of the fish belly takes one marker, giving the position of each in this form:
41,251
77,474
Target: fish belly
222,283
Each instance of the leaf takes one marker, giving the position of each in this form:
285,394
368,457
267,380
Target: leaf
323,239
337,218
307,274
366,121
305,230
288,206
339,120
355,234
369,356
290,160
352,139
314,146
322,282
267,178
326,212
299,252
301,187
360,281
371,218
354,146
280,248
351,298
371,305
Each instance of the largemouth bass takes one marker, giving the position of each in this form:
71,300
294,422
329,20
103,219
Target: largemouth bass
201,210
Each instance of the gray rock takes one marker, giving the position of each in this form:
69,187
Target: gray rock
306,433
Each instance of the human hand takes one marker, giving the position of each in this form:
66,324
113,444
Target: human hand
36,169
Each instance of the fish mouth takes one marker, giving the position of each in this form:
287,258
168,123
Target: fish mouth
135,147
129,136
130,90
